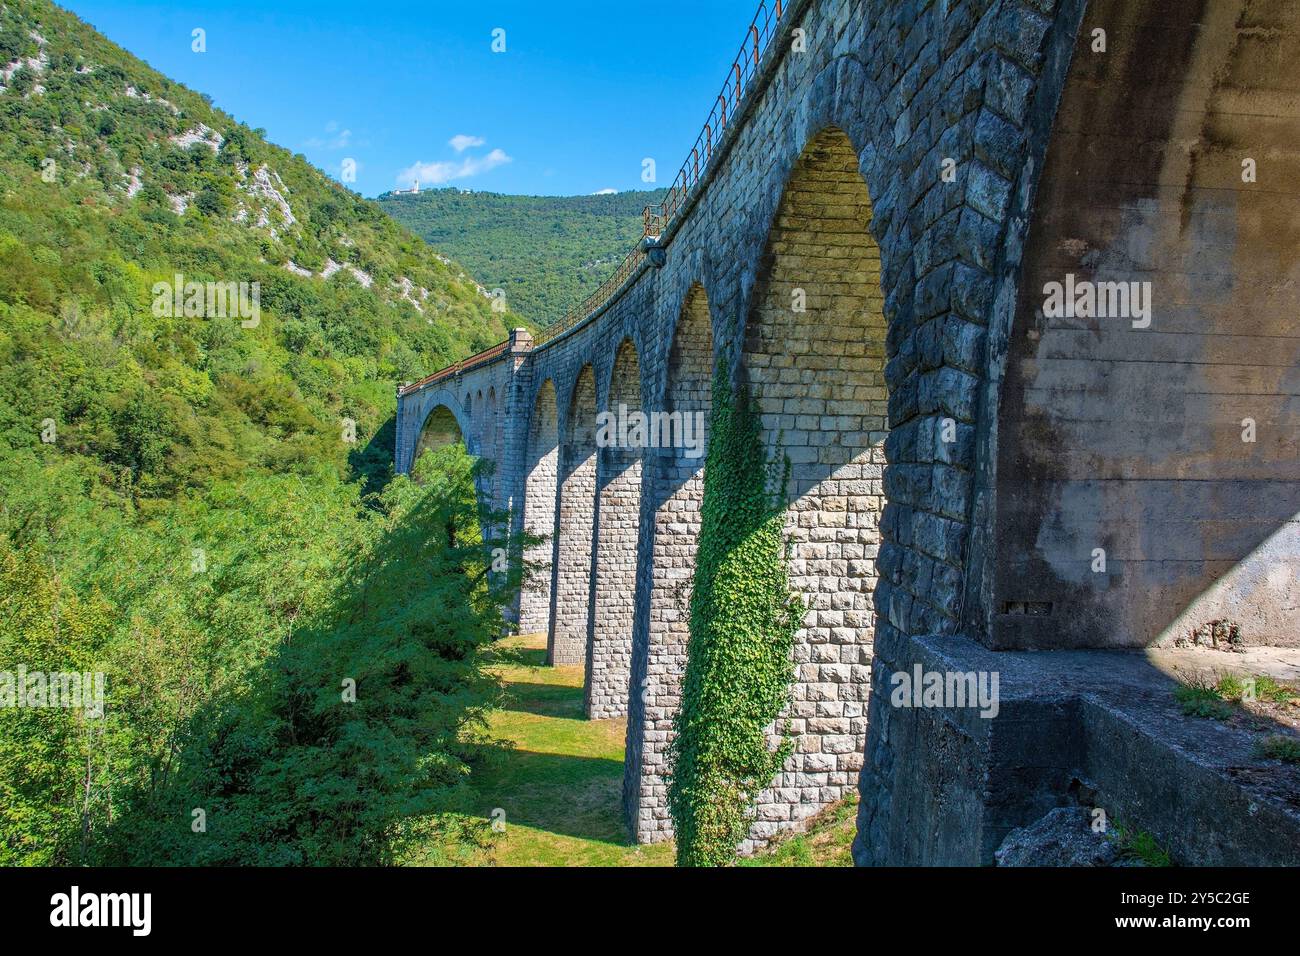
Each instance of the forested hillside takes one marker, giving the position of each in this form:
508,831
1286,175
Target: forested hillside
547,253
198,503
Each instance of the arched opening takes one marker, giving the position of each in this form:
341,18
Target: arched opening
814,355
440,429
618,525
568,639
688,401
540,468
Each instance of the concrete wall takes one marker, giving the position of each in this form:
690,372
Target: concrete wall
1133,436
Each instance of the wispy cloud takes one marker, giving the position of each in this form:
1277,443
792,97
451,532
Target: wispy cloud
439,173
461,142
339,138
605,192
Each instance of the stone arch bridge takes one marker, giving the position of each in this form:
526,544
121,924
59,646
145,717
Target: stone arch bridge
870,230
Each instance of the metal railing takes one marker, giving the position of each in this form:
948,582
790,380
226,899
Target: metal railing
743,70
631,262
451,371
658,217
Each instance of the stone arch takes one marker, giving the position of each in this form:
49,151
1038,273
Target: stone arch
572,599
618,526
814,356
1129,507
540,466
679,494
441,427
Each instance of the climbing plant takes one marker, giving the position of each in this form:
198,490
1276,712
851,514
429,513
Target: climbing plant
743,621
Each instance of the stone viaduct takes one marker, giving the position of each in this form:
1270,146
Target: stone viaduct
868,233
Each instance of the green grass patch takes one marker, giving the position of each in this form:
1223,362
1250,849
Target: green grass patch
1215,697
1201,697
827,842
558,786
1274,691
1285,749
1139,845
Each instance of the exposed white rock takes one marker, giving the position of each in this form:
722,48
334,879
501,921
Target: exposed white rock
265,187
135,94
407,287
200,134
360,275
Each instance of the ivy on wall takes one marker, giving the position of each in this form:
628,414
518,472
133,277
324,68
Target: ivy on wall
743,622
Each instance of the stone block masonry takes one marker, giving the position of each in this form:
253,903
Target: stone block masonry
869,244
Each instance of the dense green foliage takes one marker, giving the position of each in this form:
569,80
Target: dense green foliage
547,253
744,618
184,506
288,763
353,744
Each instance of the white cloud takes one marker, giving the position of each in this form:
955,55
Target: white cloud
605,192
461,142
339,139
440,173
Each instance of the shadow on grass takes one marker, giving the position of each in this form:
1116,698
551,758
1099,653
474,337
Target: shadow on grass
558,793
545,700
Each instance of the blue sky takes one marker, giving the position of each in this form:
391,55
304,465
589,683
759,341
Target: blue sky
583,92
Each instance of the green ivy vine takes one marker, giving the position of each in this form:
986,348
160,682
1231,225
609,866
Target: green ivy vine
743,621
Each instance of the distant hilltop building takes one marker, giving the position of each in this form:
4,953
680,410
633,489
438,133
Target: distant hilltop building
413,191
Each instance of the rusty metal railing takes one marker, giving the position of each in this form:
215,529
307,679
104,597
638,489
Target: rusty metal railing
451,371
743,70
658,217
631,262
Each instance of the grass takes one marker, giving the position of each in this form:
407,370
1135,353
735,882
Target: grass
1285,749
1201,697
1208,696
827,842
1138,845
559,789
560,786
